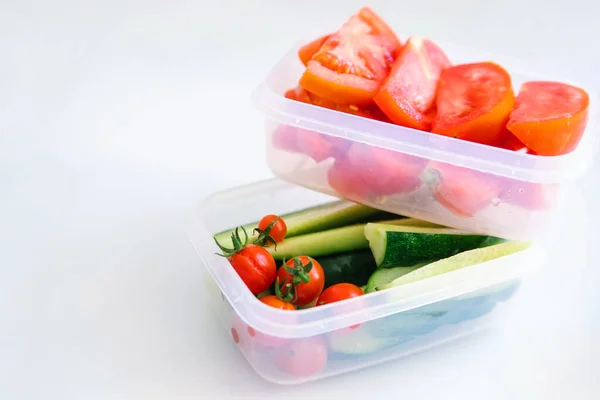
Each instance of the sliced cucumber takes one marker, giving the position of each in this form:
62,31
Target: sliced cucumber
332,241
461,260
383,276
322,217
395,245
353,267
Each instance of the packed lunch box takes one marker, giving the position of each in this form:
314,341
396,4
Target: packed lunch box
294,347
436,178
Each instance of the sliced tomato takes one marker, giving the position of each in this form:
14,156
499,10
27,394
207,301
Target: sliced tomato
513,143
549,117
474,102
462,191
306,52
530,195
351,64
407,96
384,171
343,179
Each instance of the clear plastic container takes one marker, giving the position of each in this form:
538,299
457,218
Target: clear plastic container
293,347
418,174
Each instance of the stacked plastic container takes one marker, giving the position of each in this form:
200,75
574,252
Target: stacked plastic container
388,324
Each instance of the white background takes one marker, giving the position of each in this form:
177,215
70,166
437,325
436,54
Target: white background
116,117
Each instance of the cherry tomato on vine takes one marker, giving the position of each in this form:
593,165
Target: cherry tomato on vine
271,229
254,264
300,280
339,292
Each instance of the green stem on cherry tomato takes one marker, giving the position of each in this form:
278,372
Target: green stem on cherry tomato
238,244
264,235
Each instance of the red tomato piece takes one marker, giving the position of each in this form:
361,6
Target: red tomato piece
513,143
271,229
529,195
462,191
474,102
351,64
384,171
285,138
303,292
276,302
302,357
306,52
549,117
339,292
343,179
407,96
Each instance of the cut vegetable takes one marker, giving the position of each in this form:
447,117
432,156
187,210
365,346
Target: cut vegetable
549,117
333,241
383,276
395,246
461,260
353,267
360,341
325,216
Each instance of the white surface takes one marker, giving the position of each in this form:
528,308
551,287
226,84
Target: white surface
106,113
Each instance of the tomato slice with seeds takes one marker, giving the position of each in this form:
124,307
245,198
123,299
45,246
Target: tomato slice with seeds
549,117
474,102
407,96
351,64
306,52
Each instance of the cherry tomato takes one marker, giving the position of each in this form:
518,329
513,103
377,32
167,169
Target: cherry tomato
384,171
407,96
473,103
462,191
338,292
302,357
306,52
276,302
549,117
343,179
272,229
255,265
351,64
308,285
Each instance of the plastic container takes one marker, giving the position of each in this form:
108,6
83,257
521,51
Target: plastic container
440,179
293,347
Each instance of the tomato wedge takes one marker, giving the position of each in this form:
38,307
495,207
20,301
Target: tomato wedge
384,171
474,102
351,64
407,96
342,178
462,191
513,143
549,117
306,52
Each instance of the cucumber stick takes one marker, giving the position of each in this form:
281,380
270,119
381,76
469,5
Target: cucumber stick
383,276
332,241
395,245
461,260
322,217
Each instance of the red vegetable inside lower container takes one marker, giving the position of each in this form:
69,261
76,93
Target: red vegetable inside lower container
254,264
302,357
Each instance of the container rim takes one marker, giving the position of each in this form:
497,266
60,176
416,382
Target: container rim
494,160
318,320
